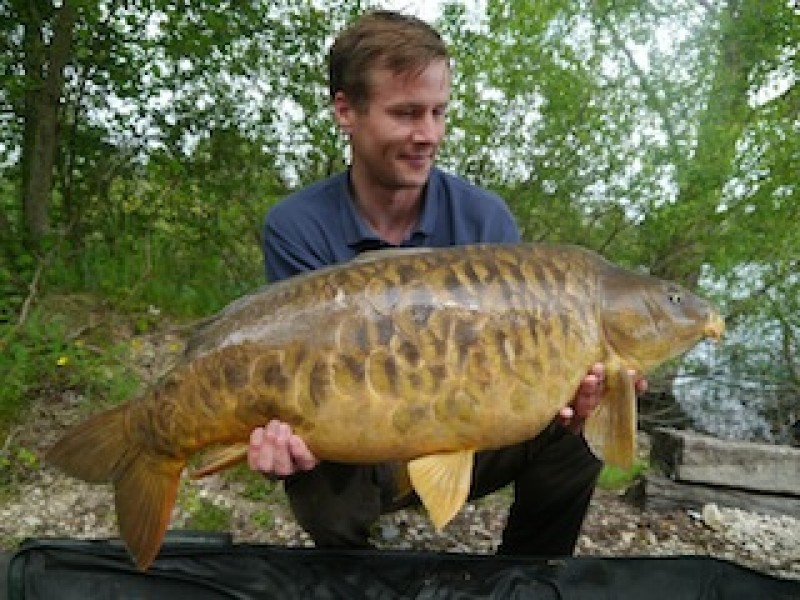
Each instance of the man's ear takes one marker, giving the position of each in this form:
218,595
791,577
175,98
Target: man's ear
343,111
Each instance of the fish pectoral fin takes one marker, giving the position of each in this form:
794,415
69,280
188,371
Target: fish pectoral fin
442,482
611,428
219,459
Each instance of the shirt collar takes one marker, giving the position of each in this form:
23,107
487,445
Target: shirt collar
358,233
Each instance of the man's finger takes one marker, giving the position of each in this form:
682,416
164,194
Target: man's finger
303,459
278,445
254,448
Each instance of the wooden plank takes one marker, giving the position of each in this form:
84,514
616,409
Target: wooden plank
661,494
691,457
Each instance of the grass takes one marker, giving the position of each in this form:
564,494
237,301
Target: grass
207,516
47,356
16,462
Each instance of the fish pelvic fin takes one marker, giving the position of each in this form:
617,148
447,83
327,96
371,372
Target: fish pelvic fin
145,484
442,482
611,428
220,459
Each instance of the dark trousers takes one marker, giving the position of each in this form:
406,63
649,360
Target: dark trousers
553,474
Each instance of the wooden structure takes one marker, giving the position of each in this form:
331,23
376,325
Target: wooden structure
690,470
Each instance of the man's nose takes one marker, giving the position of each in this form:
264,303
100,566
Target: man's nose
427,130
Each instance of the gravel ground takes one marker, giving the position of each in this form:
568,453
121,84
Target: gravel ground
47,503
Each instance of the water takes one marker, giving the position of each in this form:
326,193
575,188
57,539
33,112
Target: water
739,389
723,409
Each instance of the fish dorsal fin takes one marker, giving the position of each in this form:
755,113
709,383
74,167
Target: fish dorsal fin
220,458
390,252
611,428
442,482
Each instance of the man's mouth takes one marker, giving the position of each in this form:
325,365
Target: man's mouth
417,160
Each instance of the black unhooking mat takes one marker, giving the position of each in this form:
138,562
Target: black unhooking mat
203,567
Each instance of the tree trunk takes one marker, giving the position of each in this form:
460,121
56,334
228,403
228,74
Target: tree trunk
44,68
702,177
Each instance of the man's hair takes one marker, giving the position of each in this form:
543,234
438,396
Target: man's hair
380,39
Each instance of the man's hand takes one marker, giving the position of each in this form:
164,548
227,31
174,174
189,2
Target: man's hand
277,452
588,396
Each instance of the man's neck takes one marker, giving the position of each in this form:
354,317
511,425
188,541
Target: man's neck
392,213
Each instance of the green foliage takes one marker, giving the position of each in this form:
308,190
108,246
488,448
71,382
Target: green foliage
615,478
156,273
204,515
259,488
16,462
263,519
42,359
256,487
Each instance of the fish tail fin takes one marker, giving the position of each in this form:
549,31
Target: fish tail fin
94,450
144,495
611,428
145,484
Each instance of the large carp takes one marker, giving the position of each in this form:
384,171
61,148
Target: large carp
422,356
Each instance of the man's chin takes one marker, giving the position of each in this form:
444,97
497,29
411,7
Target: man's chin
414,179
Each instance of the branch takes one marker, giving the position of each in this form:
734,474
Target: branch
652,97
789,342
33,290
742,306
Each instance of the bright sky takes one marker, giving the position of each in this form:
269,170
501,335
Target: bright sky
424,9
428,10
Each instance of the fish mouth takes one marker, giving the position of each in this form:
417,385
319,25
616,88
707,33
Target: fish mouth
715,327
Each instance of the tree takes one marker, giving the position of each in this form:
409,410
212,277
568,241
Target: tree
44,65
92,80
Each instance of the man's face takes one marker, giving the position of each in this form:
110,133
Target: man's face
394,138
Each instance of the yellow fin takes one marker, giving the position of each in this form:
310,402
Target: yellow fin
611,428
442,482
220,458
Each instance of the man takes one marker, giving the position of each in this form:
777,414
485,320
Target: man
390,85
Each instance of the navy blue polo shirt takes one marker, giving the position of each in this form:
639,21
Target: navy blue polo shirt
320,226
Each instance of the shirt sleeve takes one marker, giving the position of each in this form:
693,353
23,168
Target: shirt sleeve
286,252
502,228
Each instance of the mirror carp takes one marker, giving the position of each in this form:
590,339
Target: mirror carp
417,355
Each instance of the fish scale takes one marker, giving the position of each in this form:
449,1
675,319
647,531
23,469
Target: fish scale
421,356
